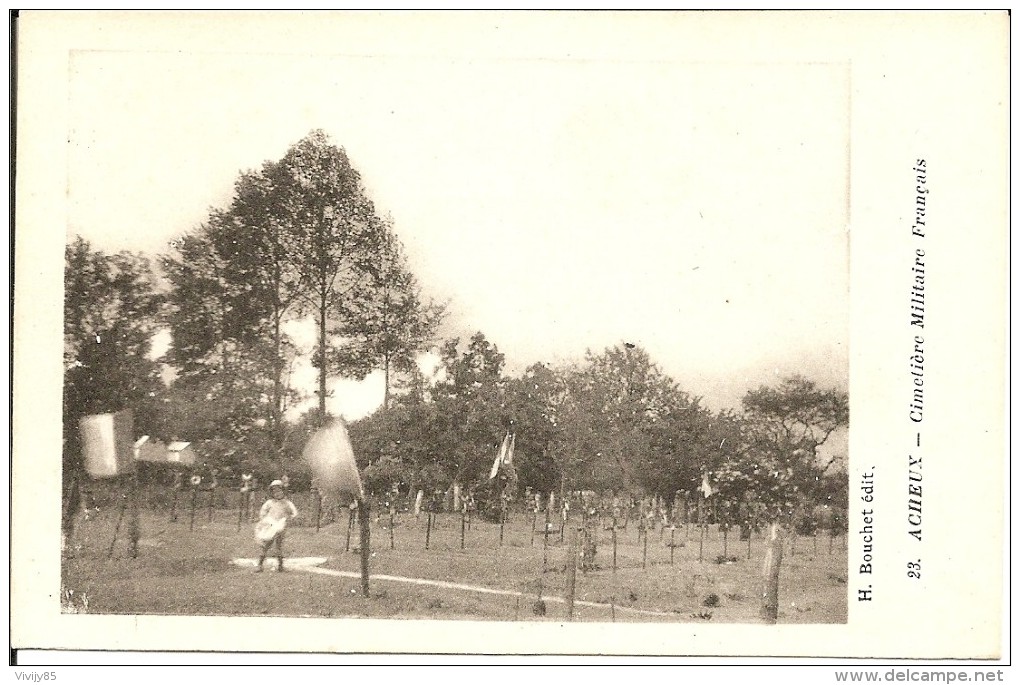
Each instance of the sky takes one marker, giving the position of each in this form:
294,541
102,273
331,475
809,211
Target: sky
697,209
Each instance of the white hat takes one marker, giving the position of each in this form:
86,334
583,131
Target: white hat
276,483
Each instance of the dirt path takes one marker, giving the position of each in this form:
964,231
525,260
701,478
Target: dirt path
311,565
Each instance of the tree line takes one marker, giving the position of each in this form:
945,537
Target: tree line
613,422
300,240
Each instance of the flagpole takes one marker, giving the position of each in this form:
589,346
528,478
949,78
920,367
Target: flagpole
365,543
545,540
391,527
173,505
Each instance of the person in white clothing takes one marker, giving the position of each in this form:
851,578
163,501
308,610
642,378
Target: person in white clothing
272,525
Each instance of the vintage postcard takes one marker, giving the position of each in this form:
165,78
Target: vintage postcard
585,333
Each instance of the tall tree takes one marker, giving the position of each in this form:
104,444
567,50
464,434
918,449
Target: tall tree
112,310
335,233
476,370
393,323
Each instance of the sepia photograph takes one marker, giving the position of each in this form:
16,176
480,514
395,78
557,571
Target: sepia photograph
367,328
557,332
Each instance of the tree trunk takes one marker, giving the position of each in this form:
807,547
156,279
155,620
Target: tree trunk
322,359
770,575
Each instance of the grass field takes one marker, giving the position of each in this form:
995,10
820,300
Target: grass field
191,572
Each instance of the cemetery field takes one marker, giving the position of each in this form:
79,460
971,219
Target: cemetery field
208,570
